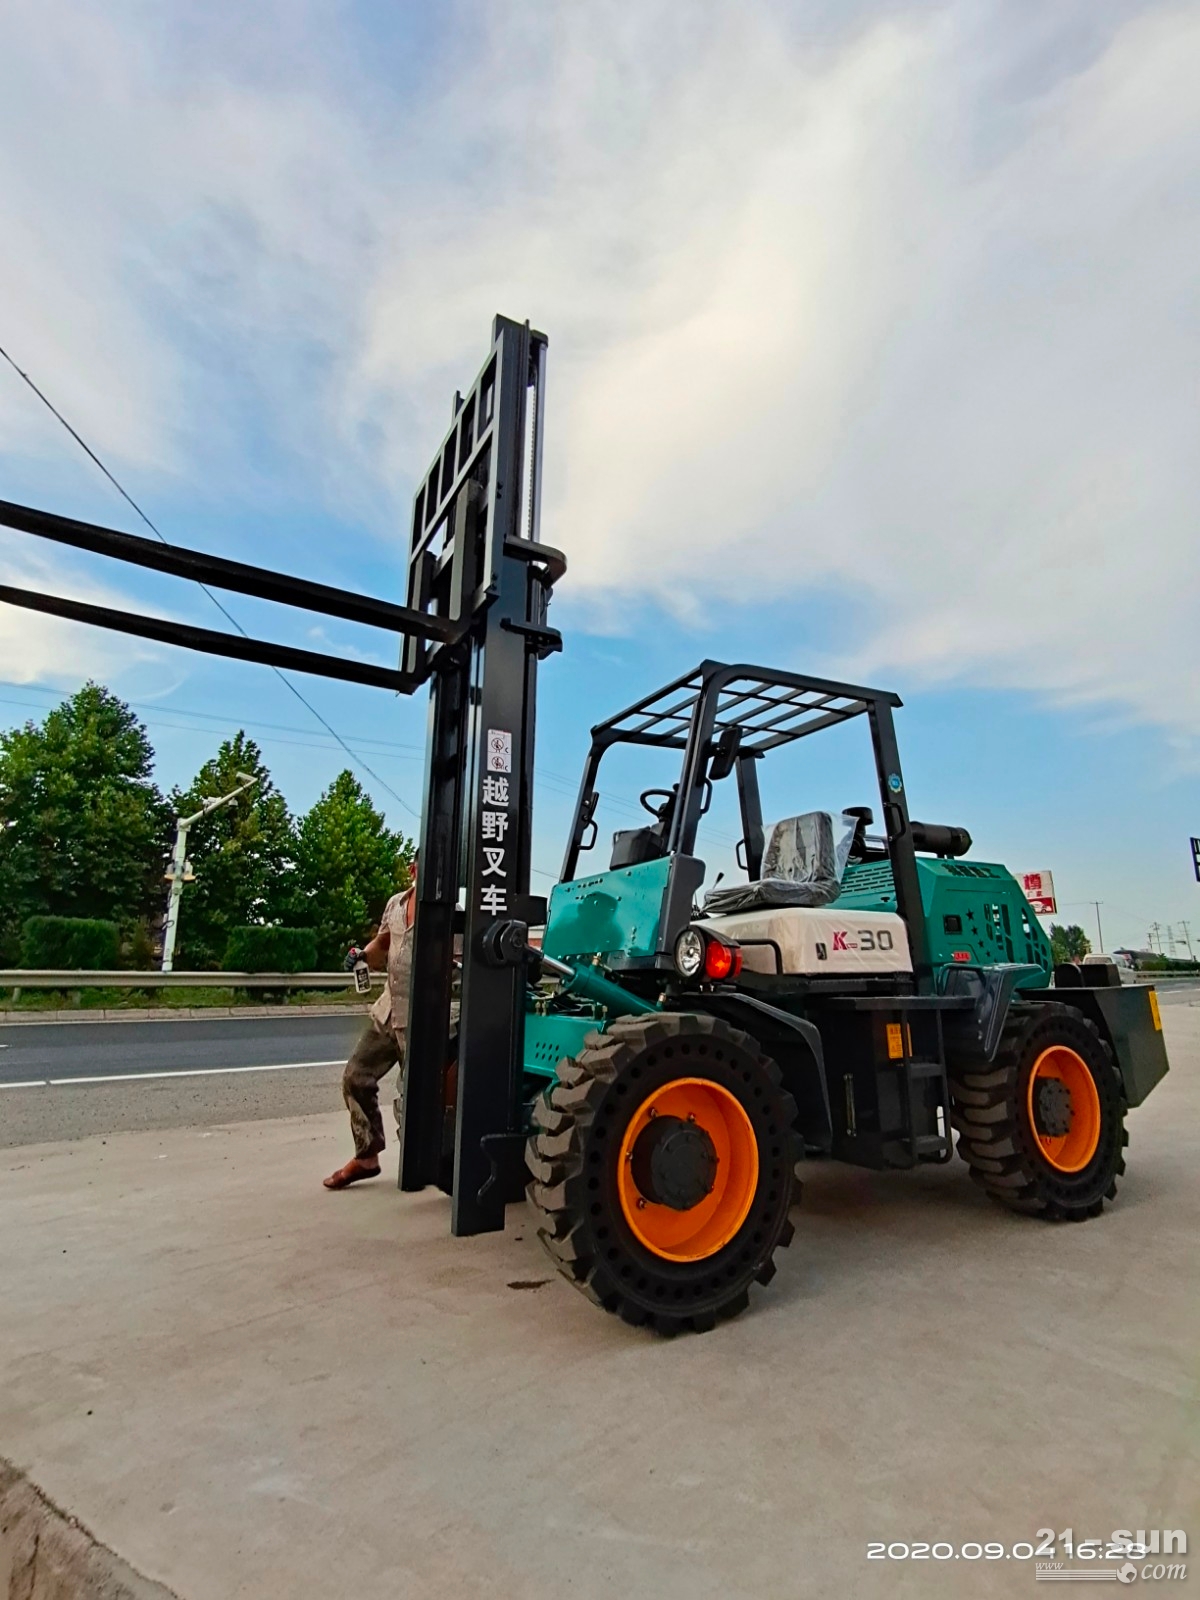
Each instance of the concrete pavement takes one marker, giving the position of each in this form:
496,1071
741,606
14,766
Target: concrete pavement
251,1388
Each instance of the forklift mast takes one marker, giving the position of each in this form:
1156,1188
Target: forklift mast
473,628
475,554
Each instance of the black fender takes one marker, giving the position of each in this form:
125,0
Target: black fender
795,1043
978,1031
1127,1017
1129,1020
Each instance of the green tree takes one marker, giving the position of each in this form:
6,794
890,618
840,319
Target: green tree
82,825
348,864
242,855
1070,943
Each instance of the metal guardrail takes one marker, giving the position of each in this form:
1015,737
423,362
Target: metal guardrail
46,978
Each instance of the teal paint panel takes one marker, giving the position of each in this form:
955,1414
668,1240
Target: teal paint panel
869,887
613,913
995,923
548,1039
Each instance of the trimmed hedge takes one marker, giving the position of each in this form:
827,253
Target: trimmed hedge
81,943
264,949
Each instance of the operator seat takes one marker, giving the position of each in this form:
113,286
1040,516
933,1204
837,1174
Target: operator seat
800,867
633,846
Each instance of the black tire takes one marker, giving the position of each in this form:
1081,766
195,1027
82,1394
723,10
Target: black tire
996,1137
579,1123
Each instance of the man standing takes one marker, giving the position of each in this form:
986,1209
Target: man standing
382,1044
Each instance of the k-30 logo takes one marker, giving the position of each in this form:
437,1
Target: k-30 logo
866,939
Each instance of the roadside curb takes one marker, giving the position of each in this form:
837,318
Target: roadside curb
28,1019
48,1554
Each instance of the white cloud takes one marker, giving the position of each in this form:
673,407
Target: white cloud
40,649
887,316
901,305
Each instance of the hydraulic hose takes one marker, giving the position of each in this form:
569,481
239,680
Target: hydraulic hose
588,984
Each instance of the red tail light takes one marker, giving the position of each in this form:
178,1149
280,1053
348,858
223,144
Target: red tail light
722,960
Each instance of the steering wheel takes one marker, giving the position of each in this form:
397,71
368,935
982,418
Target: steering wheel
668,795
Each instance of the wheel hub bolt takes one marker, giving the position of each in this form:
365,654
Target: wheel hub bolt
674,1162
1053,1111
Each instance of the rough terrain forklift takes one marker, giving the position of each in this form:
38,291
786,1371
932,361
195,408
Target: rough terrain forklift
860,996
655,1070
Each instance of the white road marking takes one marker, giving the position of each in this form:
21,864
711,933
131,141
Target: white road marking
186,1072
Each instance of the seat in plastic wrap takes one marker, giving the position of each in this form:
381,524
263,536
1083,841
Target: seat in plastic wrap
801,866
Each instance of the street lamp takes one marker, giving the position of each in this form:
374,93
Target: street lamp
178,873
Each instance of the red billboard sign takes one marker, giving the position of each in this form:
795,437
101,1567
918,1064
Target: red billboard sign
1039,891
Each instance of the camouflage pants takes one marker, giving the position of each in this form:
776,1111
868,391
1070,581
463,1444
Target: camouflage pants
373,1057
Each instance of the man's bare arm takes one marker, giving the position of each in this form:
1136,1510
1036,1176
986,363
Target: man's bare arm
376,952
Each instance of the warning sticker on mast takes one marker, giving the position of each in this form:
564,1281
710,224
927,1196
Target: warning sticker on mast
495,817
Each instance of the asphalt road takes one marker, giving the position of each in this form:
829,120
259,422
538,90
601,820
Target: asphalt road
71,1080
78,1051
82,1054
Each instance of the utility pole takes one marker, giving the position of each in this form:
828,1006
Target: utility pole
1099,929
1187,939
1155,938
178,870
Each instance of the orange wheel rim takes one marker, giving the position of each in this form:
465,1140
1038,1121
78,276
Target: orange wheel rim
708,1226
1072,1150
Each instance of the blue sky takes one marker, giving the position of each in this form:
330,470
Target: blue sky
873,350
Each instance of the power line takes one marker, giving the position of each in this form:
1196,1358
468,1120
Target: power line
153,721
385,749
228,615
225,612
389,750
155,709
1134,916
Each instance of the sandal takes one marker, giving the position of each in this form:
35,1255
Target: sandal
353,1172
